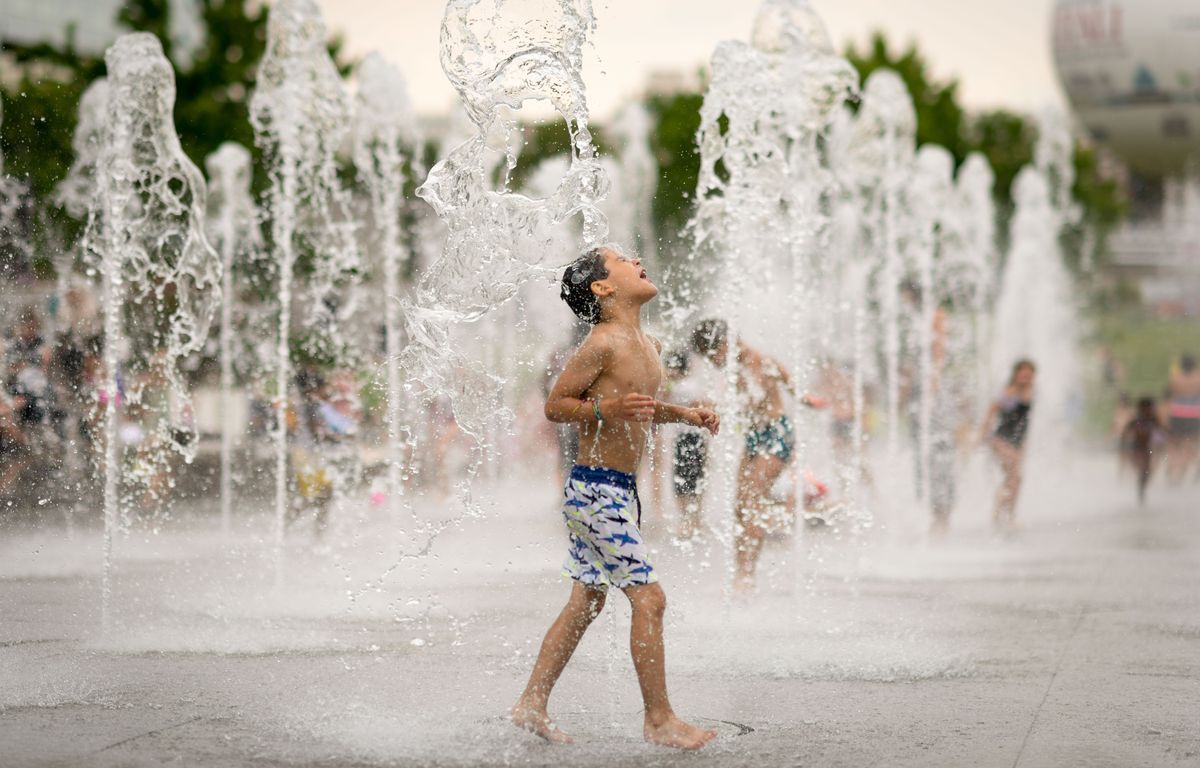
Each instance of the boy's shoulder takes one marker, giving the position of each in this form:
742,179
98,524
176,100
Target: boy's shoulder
599,341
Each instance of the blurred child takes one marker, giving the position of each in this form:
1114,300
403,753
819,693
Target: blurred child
1142,436
690,445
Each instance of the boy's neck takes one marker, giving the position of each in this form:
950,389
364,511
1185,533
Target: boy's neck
626,315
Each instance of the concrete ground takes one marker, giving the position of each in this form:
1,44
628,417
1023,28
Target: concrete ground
1076,643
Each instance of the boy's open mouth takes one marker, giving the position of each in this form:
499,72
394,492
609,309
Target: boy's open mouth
644,276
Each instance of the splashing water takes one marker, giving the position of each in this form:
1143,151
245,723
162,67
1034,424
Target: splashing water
233,230
75,193
12,199
970,271
630,205
300,112
386,140
760,191
161,278
879,158
498,55
1035,314
930,216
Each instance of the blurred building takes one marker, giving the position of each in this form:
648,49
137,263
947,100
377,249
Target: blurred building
1131,70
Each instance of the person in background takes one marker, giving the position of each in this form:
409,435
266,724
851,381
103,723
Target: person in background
690,445
1183,418
1006,425
770,441
14,458
1141,437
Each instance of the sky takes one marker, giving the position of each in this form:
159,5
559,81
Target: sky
999,50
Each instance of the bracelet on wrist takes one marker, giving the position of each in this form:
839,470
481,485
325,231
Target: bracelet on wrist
596,410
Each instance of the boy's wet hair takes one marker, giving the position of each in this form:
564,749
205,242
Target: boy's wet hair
677,361
577,285
709,336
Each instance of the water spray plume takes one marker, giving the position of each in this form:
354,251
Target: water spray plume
300,114
161,278
499,55
233,230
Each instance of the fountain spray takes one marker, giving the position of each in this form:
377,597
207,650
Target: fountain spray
160,277
233,229
970,278
499,55
762,184
880,155
928,211
386,144
300,113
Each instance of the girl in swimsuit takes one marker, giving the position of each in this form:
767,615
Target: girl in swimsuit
1005,426
762,384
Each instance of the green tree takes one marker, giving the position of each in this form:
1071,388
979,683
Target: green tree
213,87
1007,139
673,142
940,118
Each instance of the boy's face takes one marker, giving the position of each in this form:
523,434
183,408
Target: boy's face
626,277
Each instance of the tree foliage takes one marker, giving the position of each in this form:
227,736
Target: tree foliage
213,85
1005,138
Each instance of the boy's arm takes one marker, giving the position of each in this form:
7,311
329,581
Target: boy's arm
568,403
670,413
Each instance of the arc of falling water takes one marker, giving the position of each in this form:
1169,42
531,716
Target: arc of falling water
499,56
145,226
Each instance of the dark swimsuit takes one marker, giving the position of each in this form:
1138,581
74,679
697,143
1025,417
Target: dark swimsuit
1014,421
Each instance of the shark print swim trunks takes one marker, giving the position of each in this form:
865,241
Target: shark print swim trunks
603,513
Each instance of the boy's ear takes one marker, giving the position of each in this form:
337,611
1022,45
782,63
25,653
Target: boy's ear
602,288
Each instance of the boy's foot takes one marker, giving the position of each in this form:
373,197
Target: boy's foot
540,724
674,732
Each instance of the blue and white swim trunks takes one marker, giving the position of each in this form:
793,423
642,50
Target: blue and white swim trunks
603,513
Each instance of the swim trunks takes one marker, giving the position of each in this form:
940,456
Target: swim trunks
774,438
602,512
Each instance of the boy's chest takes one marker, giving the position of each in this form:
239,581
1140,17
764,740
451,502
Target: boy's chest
637,369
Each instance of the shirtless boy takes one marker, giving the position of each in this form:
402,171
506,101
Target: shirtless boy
770,439
608,388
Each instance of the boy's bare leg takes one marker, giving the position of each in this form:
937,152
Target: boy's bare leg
661,725
564,635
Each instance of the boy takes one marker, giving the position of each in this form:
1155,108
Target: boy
608,388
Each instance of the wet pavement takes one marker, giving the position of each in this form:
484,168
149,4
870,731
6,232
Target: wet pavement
1077,642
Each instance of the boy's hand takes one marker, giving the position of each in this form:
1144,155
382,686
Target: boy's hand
705,418
631,407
